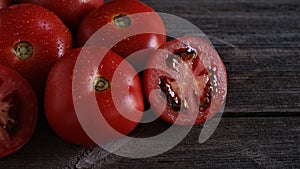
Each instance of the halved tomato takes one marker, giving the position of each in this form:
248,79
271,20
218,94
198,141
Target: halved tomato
18,111
191,78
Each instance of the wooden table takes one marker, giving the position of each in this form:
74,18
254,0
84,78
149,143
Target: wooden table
259,42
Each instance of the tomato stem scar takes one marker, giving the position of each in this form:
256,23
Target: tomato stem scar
101,83
23,50
122,21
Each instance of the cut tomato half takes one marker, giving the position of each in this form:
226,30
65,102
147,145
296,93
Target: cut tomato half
18,111
191,78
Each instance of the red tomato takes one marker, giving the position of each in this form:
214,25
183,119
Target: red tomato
59,105
70,11
118,16
18,111
189,73
5,3
32,39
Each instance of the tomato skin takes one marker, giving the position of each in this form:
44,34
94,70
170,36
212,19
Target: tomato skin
209,59
70,11
58,102
105,16
23,97
59,105
46,33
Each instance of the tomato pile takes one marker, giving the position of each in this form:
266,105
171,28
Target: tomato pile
41,42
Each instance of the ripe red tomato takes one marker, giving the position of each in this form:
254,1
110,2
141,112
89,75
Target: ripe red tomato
5,3
70,11
189,74
119,16
59,105
32,39
18,111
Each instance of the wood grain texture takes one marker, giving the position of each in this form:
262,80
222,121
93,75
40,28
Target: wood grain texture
256,142
259,42
237,143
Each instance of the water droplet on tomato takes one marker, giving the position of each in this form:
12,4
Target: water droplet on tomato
16,34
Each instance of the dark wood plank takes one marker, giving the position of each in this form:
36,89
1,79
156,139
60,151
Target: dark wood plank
263,80
237,143
259,42
44,150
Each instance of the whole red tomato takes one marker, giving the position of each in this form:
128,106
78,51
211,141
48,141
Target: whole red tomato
32,39
70,11
5,3
18,111
59,101
125,25
189,74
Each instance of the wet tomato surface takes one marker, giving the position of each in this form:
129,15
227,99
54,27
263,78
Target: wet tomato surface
98,83
71,12
32,39
127,25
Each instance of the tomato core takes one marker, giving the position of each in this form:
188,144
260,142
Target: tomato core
23,50
122,21
190,57
101,84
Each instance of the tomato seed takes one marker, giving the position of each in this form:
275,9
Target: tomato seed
173,99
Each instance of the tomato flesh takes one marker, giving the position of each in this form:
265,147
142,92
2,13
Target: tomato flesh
18,111
8,114
189,73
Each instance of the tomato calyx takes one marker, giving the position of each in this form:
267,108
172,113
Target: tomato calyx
8,115
100,83
122,21
23,50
